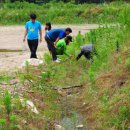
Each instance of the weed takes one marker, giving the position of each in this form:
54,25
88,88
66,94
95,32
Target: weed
7,102
128,63
2,124
5,78
13,119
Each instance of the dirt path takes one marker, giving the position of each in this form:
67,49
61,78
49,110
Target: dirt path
11,39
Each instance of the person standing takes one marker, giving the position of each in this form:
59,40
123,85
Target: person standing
32,31
52,37
47,27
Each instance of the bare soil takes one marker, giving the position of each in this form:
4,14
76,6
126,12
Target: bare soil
11,39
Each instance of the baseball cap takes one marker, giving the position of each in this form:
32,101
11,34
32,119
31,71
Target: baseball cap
69,37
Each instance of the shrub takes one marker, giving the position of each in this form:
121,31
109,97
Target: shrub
18,13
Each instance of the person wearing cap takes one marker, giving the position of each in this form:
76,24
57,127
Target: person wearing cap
32,31
52,37
62,45
87,50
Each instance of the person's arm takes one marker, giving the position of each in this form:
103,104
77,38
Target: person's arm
25,34
56,41
79,55
65,52
40,31
59,37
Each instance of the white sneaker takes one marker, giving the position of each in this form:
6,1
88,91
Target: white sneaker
57,61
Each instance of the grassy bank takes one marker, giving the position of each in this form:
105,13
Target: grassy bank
105,99
61,13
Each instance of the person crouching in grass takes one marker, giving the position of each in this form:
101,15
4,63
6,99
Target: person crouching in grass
62,44
32,31
88,50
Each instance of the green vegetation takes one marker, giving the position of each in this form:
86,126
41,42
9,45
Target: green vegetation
61,13
104,101
5,78
99,94
128,63
7,102
7,120
65,1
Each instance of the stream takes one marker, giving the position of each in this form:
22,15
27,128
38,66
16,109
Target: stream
71,119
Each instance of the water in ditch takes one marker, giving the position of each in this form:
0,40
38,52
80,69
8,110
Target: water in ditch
71,119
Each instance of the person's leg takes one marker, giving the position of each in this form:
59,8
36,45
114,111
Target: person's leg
51,48
30,46
79,55
33,44
53,51
87,55
34,48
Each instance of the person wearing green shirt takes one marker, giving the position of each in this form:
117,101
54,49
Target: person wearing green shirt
62,44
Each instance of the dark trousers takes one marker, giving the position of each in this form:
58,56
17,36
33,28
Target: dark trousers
33,44
87,54
51,47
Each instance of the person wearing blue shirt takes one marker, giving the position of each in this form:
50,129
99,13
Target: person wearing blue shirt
52,37
33,29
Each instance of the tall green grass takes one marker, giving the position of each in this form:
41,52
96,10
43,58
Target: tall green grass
65,13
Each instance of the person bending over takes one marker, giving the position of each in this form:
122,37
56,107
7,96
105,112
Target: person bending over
32,28
52,37
62,44
87,50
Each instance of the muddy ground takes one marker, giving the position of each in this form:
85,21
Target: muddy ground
11,39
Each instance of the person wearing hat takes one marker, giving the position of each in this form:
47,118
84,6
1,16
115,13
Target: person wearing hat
87,50
62,45
52,38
